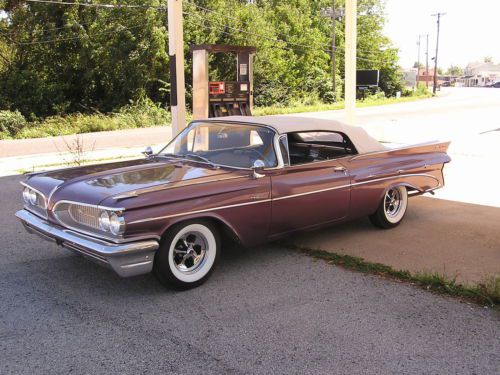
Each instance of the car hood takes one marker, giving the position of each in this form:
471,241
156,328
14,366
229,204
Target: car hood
93,184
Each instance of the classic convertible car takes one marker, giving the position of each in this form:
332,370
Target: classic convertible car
235,178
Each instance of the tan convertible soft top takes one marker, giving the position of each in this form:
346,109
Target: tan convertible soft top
290,124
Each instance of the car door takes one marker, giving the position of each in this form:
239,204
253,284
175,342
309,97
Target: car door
309,194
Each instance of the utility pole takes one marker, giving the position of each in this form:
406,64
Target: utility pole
438,15
333,13
350,60
427,61
176,57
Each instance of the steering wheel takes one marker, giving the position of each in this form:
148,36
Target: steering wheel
255,152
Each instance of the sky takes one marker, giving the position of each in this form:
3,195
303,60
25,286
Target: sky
470,30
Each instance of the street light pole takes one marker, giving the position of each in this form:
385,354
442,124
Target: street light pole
437,48
176,57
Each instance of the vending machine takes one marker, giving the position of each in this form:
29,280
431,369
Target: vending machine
222,98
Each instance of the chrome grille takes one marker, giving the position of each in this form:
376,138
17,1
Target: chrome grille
85,215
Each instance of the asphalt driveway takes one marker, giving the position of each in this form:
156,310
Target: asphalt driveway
265,311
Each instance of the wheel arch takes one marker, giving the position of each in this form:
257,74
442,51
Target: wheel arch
226,230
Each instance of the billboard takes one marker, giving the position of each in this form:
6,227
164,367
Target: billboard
367,78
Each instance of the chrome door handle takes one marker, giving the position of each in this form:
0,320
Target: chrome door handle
340,169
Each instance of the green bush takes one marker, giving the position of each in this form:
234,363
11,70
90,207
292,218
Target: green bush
11,123
140,114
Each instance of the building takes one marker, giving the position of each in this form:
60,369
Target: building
480,74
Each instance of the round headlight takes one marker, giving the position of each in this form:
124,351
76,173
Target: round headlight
33,197
26,195
116,224
104,221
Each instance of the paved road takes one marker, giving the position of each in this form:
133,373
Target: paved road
468,117
265,311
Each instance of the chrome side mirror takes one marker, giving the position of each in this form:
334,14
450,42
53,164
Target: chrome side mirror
148,151
258,166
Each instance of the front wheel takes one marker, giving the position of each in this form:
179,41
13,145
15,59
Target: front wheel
392,208
188,254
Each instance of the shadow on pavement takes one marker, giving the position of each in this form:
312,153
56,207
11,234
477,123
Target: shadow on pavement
456,239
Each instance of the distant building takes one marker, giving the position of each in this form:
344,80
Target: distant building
480,74
427,77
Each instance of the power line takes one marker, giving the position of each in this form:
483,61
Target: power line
225,26
55,40
262,36
98,5
303,46
65,27
274,39
237,19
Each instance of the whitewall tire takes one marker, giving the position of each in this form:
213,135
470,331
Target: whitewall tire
188,254
392,208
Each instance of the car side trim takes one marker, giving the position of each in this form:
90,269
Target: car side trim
285,197
357,184
200,211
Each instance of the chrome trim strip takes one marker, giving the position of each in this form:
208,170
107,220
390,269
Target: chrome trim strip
137,264
136,193
312,192
285,197
115,209
355,184
199,211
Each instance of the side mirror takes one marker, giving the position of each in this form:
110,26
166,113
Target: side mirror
258,166
148,151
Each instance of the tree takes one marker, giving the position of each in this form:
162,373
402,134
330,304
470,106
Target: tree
455,70
69,58
488,59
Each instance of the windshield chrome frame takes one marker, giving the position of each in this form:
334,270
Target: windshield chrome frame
276,137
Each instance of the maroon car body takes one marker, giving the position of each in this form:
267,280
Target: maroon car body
254,205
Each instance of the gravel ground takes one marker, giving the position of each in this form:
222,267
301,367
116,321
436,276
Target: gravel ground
265,311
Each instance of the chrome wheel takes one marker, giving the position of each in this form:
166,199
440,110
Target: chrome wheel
190,252
393,202
392,208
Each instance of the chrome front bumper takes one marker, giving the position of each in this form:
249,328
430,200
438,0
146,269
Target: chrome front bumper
126,259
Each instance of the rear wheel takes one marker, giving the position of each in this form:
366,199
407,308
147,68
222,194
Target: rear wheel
392,208
188,254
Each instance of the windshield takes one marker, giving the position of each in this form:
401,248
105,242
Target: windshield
233,145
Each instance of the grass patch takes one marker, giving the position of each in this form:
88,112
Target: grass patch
140,114
371,101
485,293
